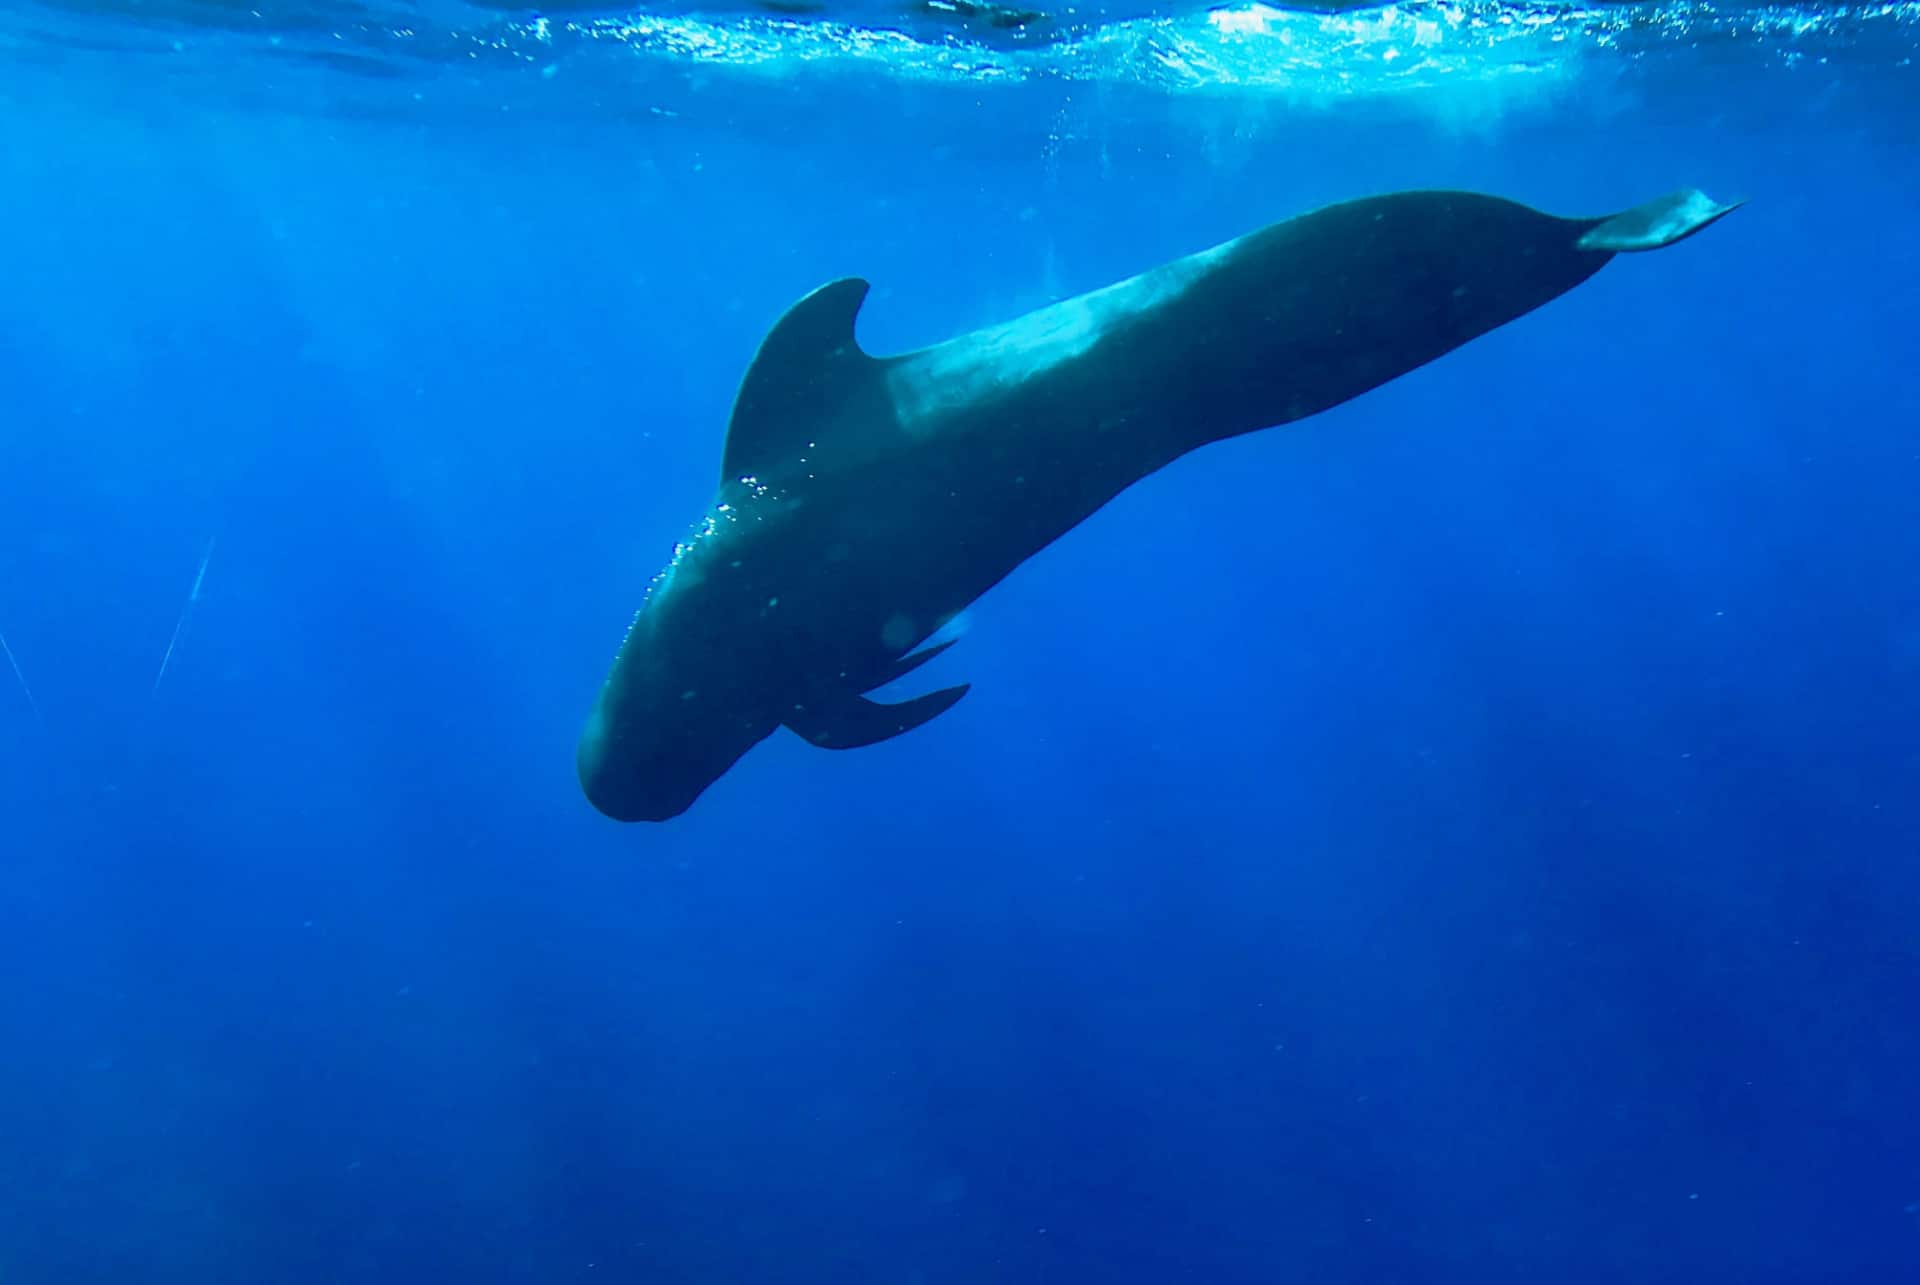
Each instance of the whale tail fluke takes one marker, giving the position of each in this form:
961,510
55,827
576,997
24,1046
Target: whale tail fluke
1658,223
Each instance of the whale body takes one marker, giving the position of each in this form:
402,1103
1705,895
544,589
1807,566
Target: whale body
864,501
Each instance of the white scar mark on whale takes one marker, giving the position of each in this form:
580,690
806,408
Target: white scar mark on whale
966,371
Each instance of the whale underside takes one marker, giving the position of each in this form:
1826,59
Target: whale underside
865,501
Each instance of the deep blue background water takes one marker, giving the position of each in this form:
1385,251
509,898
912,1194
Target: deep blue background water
1470,836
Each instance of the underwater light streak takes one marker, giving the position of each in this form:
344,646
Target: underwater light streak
31,702
193,596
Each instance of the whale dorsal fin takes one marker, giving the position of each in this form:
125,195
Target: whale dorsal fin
807,365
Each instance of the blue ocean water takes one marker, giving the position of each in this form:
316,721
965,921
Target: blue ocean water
1468,836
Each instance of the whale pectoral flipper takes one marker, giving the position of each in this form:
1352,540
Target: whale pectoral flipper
808,363
907,664
1657,224
844,721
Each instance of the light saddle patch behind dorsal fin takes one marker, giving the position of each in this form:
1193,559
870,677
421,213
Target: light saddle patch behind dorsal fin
808,366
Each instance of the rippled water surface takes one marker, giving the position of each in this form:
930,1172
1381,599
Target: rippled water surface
1325,54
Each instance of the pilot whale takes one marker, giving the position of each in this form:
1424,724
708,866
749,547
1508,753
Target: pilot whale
865,501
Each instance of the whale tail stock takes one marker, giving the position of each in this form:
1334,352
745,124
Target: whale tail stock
1307,313
1277,325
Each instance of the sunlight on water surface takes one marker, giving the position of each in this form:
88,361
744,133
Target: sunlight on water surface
1309,54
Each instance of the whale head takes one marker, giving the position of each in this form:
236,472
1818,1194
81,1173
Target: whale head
692,690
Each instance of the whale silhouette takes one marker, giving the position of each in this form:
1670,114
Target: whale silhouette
865,501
